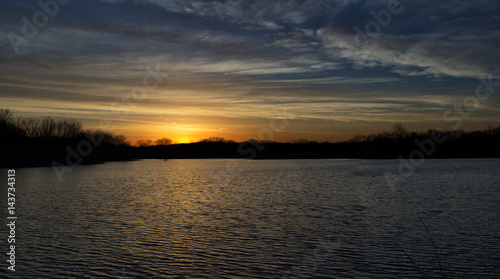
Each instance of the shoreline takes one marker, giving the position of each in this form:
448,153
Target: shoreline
31,166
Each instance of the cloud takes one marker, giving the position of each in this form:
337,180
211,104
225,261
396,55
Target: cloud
428,54
267,15
231,61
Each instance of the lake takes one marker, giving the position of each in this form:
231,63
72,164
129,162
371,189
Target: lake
257,219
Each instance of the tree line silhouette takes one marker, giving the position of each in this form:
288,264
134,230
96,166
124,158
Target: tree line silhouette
28,142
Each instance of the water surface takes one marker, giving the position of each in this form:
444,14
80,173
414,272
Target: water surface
259,219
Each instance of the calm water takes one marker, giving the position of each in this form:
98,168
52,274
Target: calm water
257,219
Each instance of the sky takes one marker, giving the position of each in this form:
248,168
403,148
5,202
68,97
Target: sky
268,70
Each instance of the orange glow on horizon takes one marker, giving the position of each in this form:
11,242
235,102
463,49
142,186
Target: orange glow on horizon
195,133
183,140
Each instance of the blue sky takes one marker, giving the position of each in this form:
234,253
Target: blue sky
223,68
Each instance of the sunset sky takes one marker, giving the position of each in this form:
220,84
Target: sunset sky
279,70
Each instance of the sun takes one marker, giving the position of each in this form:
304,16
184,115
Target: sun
184,140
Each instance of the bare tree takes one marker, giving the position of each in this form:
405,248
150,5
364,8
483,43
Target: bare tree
5,116
27,126
48,127
69,128
398,131
120,140
7,125
163,141
144,143
215,139
300,141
